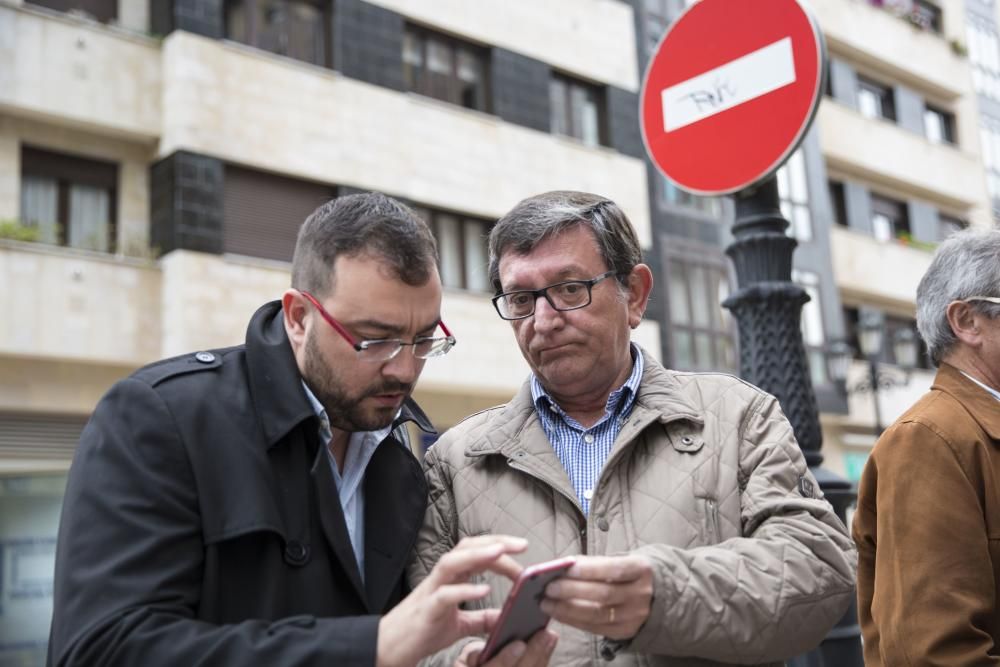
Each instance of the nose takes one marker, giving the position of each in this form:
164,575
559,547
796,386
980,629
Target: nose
404,367
546,318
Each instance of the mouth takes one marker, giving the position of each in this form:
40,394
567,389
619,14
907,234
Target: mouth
550,349
390,400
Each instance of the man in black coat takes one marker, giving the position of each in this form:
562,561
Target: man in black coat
257,505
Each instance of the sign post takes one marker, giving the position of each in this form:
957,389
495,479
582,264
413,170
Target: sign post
727,97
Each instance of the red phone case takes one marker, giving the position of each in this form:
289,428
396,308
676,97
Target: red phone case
521,616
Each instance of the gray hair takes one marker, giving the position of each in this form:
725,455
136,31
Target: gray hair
357,224
543,216
966,264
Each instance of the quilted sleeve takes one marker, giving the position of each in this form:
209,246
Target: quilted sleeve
774,592
437,537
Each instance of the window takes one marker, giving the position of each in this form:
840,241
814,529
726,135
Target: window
69,200
889,219
577,109
984,55
989,137
948,225
294,28
794,194
29,521
702,335
445,68
894,324
813,334
925,15
875,100
939,125
262,212
891,324
838,199
659,14
671,195
461,247
104,11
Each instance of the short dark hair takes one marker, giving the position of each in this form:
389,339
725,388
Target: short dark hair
538,218
357,224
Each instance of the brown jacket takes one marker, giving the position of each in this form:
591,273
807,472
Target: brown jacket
928,532
703,462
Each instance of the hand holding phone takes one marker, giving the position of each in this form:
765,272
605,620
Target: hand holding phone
521,616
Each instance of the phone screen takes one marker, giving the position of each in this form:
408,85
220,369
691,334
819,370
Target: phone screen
521,616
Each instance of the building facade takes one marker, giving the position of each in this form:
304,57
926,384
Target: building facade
158,156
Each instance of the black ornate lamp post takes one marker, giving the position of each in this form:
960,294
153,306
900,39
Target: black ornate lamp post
768,307
871,337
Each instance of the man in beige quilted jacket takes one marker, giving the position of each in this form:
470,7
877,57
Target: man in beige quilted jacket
701,537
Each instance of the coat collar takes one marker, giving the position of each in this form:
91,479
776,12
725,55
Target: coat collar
276,385
660,398
981,404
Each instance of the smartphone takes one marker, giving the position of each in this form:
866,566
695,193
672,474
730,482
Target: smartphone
521,616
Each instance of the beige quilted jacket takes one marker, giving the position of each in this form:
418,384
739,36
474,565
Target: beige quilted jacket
706,480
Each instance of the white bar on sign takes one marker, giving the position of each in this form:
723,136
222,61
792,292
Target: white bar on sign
738,81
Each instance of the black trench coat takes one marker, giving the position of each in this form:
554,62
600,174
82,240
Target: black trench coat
201,524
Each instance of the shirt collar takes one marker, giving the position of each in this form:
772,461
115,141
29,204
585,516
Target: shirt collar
994,392
620,400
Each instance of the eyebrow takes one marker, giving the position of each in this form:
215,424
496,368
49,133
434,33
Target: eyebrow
387,329
562,276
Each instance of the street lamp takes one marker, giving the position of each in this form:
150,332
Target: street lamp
871,337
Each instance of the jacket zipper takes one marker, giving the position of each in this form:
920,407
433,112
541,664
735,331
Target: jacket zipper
712,518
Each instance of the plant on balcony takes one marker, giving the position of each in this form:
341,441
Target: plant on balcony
15,231
906,238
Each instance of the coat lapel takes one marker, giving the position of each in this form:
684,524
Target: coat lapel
395,500
331,517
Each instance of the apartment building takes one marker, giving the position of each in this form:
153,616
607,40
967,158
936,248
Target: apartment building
892,164
157,158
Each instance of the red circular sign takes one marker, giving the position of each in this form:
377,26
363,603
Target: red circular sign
730,92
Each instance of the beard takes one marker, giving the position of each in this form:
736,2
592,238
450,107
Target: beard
343,401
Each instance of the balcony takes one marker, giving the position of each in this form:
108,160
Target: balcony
96,308
264,111
596,40
102,79
880,152
869,34
875,272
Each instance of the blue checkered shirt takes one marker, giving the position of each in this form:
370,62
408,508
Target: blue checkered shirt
583,451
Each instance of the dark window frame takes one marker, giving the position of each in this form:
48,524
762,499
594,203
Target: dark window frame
68,170
103,11
421,82
432,216
571,83
885,94
838,201
687,257
897,213
947,122
255,33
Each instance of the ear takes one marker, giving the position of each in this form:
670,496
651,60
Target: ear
294,309
640,285
964,322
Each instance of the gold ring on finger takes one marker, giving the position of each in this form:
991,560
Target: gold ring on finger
611,614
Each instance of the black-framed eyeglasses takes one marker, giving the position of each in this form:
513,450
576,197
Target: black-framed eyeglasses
424,347
567,295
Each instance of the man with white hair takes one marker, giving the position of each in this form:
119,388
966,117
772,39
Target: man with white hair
928,519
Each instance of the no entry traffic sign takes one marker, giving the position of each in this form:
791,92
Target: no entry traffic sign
731,91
